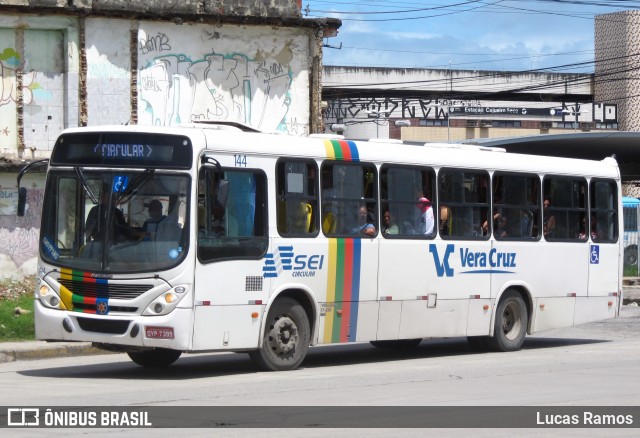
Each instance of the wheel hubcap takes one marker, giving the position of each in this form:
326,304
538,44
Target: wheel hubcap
511,321
283,336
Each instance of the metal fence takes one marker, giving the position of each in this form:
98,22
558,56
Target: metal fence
631,227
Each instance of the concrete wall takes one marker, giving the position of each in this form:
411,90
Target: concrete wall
19,235
244,8
455,81
63,72
367,101
617,72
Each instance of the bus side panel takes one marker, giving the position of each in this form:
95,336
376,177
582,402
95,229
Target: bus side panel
226,327
225,294
349,297
595,308
448,318
603,269
389,317
435,280
552,312
479,319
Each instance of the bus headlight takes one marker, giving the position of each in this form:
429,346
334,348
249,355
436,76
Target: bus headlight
166,302
48,297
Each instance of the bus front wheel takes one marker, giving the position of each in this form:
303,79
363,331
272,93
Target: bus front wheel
510,324
631,256
156,358
286,337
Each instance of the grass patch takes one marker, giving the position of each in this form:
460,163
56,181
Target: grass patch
14,326
17,326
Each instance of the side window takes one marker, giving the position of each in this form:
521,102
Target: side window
297,199
235,227
349,199
406,194
564,208
516,207
464,195
603,223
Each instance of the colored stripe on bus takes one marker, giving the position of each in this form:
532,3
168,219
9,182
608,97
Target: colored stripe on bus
343,150
69,298
343,290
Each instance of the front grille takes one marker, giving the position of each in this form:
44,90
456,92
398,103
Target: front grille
113,327
92,308
106,289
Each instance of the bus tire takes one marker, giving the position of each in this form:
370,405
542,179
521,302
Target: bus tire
510,326
156,358
399,344
631,256
286,337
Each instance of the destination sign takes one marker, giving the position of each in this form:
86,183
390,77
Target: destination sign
489,111
134,151
126,149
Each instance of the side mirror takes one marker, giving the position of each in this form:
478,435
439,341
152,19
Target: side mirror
22,191
22,200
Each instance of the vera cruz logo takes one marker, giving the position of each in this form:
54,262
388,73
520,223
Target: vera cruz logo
475,262
284,259
443,267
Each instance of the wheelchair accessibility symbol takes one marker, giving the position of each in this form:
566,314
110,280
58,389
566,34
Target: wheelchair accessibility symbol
594,254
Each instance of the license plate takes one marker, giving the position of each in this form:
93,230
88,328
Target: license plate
159,332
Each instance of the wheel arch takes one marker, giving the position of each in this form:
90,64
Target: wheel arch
305,298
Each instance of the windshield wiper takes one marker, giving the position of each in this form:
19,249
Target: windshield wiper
136,184
86,187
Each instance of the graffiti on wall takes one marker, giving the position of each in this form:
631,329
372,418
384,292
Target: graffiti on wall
9,63
177,88
401,107
19,235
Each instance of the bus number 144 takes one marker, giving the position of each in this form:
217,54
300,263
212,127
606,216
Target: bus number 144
240,160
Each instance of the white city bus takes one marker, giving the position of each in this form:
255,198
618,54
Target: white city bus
270,244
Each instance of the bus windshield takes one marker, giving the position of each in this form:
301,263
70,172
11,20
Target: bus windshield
120,221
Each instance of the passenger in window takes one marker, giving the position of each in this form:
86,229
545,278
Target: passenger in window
159,226
499,225
583,228
549,221
425,220
155,216
223,224
97,221
445,220
526,223
365,222
389,225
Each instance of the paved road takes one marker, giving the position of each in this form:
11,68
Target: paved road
591,365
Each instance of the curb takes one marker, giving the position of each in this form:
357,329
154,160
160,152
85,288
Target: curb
15,351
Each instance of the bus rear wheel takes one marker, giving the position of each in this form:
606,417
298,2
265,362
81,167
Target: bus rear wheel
511,321
286,337
156,358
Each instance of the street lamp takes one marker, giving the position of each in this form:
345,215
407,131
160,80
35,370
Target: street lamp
338,128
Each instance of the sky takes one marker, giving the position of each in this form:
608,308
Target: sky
502,35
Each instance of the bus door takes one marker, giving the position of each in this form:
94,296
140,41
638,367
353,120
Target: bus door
604,250
232,240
